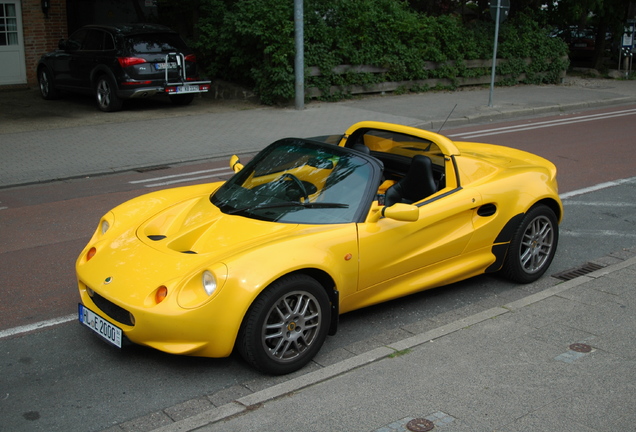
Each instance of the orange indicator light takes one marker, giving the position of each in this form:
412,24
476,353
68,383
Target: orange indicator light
161,294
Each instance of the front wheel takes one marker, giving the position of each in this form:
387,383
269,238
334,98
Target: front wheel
106,95
533,246
47,88
286,325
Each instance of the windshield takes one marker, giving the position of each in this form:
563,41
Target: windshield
300,181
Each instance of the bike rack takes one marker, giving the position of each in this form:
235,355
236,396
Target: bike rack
179,59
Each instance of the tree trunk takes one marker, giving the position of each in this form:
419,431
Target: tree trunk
599,45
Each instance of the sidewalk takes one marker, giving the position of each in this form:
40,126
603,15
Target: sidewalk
562,359
47,140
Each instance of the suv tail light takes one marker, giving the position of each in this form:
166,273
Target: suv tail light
191,58
130,61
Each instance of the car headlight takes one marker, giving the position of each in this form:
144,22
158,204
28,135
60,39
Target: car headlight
202,286
105,226
209,282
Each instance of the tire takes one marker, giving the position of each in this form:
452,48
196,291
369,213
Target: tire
286,325
106,95
533,246
47,88
181,100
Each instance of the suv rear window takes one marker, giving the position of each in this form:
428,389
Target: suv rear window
156,43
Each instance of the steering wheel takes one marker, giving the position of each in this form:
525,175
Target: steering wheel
299,182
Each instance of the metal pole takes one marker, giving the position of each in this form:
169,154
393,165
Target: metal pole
299,63
494,53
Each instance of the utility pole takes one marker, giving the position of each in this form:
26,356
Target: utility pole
499,12
299,61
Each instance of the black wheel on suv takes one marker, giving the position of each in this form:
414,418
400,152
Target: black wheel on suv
47,88
184,99
106,95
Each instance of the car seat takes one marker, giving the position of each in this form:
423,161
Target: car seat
417,184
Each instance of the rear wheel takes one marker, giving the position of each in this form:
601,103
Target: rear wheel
47,88
533,246
184,99
286,325
106,95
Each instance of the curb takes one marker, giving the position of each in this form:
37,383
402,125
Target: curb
255,400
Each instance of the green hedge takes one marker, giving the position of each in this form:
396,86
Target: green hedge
251,42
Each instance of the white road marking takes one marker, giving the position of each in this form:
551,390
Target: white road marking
597,233
597,187
184,177
36,326
600,204
543,124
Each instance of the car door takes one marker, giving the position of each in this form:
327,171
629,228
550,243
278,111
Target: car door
397,258
63,60
84,60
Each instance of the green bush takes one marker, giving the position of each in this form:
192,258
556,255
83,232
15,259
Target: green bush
251,42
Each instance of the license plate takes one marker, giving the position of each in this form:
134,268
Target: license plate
162,66
110,333
188,89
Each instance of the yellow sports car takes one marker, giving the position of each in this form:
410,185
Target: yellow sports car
307,230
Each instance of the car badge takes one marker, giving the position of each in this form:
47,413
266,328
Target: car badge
108,280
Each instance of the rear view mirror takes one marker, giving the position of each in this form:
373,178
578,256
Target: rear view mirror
402,212
399,212
235,163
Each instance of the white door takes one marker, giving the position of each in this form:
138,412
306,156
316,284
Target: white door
12,67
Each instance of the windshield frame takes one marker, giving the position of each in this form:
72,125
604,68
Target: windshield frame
251,170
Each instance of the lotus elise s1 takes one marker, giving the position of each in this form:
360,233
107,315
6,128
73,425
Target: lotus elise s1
309,229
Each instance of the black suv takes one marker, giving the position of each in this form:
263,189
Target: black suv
117,62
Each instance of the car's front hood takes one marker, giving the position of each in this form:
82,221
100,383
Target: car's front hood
196,226
175,243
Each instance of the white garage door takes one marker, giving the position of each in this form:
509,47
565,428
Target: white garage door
12,67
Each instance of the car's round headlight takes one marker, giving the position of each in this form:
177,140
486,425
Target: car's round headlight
202,286
209,282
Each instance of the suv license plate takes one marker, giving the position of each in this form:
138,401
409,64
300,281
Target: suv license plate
188,89
163,66
110,333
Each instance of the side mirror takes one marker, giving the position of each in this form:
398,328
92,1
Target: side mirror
235,163
399,212
62,44
402,212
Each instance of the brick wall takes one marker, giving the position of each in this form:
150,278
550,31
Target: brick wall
41,33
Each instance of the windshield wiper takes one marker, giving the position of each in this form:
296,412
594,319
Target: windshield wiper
309,205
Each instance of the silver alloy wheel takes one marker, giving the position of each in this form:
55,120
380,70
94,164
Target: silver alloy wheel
291,326
104,93
45,84
536,244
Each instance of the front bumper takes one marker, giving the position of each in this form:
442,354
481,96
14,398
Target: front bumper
206,331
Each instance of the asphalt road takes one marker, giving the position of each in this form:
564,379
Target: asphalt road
61,378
